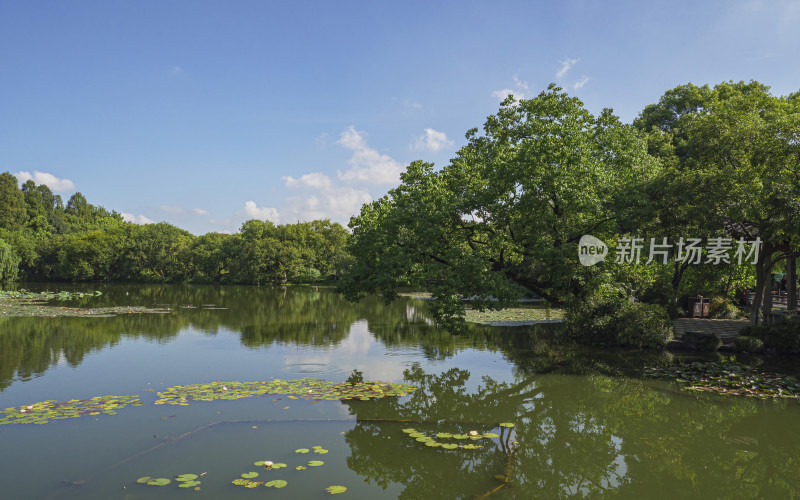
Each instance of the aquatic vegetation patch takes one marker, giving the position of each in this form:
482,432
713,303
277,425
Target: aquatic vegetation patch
335,490
729,379
431,442
23,294
513,315
303,388
43,412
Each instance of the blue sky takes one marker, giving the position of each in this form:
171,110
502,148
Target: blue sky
206,114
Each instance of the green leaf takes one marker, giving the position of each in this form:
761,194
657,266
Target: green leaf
143,480
249,475
315,463
186,477
160,481
302,450
450,446
490,435
335,490
188,484
506,424
277,483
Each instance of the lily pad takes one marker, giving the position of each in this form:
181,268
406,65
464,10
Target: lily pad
335,490
321,451
444,435
460,436
278,466
450,446
315,463
304,388
490,435
188,484
506,424
277,483
143,480
409,430
302,450
250,475
44,411
186,477
159,481
301,467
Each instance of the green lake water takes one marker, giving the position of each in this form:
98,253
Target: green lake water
587,424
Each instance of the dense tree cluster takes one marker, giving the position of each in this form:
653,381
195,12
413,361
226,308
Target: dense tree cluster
505,217
42,239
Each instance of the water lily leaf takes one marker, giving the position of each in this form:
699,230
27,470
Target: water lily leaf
301,467
160,481
186,477
315,463
450,446
409,431
461,436
302,450
260,463
239,482
278,466
432,444
249,475
490,435
444,435
506,424
417,434
188,484
277,483
321,451
424,439
335,490
144,479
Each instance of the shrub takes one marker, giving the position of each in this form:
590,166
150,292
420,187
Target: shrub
613,321
783,337
749,344
722,308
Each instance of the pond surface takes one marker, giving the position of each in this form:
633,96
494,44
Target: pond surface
586,423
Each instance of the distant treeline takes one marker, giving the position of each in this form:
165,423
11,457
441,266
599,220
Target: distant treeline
41,239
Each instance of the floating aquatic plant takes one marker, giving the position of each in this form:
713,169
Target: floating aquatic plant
277,483
506,424
729,379
41,413
302,450
249,475
335,490
315,463
154,481
304,388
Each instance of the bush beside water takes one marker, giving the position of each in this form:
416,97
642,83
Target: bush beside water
611,321
784,337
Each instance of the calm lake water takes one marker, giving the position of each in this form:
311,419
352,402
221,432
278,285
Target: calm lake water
587,425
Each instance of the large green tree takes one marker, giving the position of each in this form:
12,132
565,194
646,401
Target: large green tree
732,156
506,215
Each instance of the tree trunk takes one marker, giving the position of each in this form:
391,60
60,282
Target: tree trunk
791,282
758,296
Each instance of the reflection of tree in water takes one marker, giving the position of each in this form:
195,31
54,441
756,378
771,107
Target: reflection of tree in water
261,315
578,436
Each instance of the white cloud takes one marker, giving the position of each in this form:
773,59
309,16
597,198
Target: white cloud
334,202
262,213
200,211
312,180
171,209
431,140
519,92
140,219
411,104
367,164
580,83
565,67
48,180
